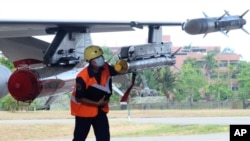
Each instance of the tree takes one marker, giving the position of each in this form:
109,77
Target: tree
108,54
193,63
190,82
7,63
210,63
8,102
244,82
220,90
166,80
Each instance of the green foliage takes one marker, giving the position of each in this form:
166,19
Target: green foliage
221,90
161,79
115,98
168,130
7,63
210,63
193,63
8,103
244,80
166,80
188,46
189,83
108,54
150,78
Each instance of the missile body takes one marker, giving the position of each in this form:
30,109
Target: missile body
213,24
146,56
208,25
27,84
150,63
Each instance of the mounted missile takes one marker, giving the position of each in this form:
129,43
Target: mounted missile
206,25
26,84
140,57
133,59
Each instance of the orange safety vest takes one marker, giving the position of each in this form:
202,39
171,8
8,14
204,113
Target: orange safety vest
84,110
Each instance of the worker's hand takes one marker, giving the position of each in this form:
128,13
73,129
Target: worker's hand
102,102
121,66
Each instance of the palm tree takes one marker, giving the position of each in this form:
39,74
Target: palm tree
210,63
166,82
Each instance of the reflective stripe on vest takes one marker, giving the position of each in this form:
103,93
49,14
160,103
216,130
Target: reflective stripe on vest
84,110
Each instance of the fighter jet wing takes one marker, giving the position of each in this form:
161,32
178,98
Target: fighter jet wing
18,48
24,28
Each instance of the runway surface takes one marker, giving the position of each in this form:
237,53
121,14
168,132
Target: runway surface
207,137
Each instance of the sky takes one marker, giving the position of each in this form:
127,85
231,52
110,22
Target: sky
138,10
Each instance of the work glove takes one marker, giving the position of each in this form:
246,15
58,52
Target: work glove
121,66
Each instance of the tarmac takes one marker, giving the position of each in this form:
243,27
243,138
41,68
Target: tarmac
205,137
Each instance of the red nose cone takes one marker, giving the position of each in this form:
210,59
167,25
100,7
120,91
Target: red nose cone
24,85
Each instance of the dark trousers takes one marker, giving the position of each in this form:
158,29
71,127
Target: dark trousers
99,123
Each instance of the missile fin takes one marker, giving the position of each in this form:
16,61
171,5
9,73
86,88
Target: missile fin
173,54
224,33
221,16
244,13
227,13
205,35
205,14
245,30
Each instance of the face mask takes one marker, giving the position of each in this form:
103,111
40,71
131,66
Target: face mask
99,62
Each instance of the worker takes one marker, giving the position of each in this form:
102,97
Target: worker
89,102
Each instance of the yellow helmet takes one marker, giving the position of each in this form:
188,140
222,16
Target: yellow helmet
92,52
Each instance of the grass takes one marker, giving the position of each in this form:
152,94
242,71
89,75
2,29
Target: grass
132,129
19,132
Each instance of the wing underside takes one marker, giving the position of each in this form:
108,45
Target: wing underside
22,48
17,28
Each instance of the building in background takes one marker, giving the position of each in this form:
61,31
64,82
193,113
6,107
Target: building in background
225,58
